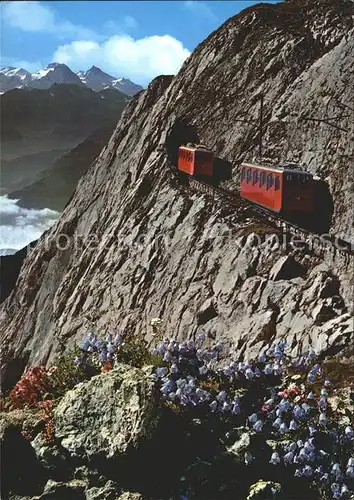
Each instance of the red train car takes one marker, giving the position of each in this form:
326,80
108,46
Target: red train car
196,160
280,189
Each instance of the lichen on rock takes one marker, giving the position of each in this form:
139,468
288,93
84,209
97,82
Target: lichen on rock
109,415
264,490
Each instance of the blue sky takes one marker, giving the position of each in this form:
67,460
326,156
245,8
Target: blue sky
137,39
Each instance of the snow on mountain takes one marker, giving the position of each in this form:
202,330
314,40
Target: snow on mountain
54,73
94,78
11,72
97,80
41,73
13,77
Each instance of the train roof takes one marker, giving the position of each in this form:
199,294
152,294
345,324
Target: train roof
194,147
279,168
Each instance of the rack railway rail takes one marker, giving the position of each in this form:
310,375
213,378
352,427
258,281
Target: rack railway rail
317,242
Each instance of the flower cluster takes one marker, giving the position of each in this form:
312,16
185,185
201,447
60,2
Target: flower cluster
156,323
189,368
97,352
288,401
31,388
47,407
297,417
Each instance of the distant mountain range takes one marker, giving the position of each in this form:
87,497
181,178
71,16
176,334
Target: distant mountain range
57,182
39,127
94,78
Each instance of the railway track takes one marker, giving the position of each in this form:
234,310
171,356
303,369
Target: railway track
322,243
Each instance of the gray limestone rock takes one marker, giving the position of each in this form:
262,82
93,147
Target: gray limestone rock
109,415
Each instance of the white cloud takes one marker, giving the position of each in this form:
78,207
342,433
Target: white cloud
28,16
130,22
19,226
113,49
139,59
34,17
200,9
125,25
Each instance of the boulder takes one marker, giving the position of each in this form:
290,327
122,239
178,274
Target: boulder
239,448
109,415
335,336
264,490
72,490
53,458
127,495
107,492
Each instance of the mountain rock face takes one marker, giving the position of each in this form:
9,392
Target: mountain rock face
141,244
97,80
55,73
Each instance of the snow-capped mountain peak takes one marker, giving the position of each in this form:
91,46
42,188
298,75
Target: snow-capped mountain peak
41,73
11,77
54,73
97,79
58,73
15,72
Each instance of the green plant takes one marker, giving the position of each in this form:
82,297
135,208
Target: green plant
135,351
66,374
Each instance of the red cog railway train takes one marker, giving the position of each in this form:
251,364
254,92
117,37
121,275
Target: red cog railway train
280,189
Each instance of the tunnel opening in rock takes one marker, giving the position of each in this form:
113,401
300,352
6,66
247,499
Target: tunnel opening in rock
181,133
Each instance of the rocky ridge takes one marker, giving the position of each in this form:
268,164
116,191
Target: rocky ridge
56,73
163,250
97,80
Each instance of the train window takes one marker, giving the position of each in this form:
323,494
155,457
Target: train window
269,181
289,177
243,173
249,175
277,183
262,179
255,177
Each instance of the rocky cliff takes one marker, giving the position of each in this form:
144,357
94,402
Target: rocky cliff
138,244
